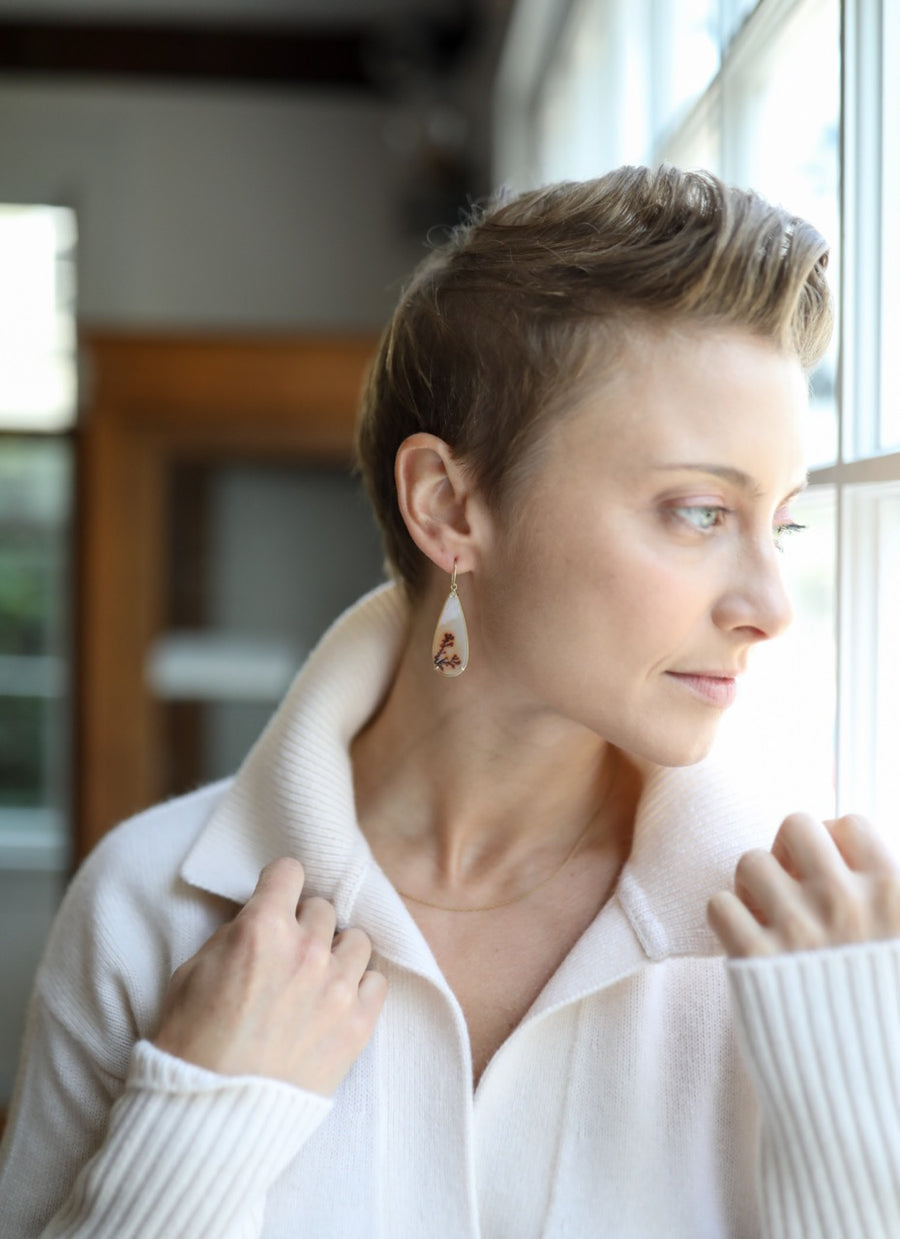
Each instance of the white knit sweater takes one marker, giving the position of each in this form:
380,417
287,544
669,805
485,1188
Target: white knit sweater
622,1105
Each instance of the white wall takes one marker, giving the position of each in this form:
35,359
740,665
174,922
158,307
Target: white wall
207,207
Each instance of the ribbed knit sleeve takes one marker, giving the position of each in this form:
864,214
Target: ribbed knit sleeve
821,1034
188,1154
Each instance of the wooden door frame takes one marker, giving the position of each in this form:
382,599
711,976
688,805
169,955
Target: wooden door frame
151,400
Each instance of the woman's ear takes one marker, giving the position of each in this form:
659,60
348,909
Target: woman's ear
437,502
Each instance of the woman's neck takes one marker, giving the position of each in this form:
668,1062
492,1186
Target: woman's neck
460,789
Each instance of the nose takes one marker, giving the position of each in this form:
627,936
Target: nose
755,598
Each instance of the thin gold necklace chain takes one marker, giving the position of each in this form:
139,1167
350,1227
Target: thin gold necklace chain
504,903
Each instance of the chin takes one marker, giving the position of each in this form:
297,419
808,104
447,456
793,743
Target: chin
683,750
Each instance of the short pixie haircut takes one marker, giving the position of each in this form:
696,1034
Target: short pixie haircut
502,327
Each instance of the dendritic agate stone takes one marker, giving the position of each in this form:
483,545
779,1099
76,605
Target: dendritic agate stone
450,648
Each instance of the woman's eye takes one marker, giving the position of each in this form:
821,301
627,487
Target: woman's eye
701,517
784,530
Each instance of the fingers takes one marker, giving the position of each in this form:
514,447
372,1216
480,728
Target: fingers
803,849
862,849
822,884
278,894
278,890
317,917
763,885
372,993
769,911
276,992
736,927
353,953
279,886
353,949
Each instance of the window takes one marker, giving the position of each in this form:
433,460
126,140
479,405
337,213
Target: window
37,321
35,500
799,99
889,439
37,408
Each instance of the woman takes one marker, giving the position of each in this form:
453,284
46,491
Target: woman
471,989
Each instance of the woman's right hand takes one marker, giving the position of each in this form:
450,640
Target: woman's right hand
276,992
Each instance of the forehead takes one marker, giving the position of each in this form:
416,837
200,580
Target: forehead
679,390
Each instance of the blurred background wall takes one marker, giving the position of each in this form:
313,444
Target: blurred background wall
283,183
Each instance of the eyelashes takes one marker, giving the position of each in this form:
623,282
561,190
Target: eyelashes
706,517
784,531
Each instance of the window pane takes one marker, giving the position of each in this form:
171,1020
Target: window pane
734,14
24,724
592,111
784,721
570,145
870,655
887,667
890,237
35,517
697,146
685,56
783,141
37,318
35,499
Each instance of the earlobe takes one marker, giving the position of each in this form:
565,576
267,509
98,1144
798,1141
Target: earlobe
435,499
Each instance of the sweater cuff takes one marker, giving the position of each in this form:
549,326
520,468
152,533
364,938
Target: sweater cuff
189,1153
821,1036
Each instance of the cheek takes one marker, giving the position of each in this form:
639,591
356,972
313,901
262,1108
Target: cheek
652,603
638,577
590,587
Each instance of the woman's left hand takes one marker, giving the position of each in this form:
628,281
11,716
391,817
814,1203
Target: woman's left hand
822,884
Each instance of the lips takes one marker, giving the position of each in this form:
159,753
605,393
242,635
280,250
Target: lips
712,687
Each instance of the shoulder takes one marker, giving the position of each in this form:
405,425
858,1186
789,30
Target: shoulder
151,846
128,920
136,865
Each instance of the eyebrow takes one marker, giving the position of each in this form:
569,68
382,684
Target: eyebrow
729,474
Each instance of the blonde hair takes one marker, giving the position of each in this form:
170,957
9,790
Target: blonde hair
500,328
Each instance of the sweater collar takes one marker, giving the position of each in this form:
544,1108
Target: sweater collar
293,795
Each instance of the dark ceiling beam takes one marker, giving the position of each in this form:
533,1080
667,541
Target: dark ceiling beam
367,58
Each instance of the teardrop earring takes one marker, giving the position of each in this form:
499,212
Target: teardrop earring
450,647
